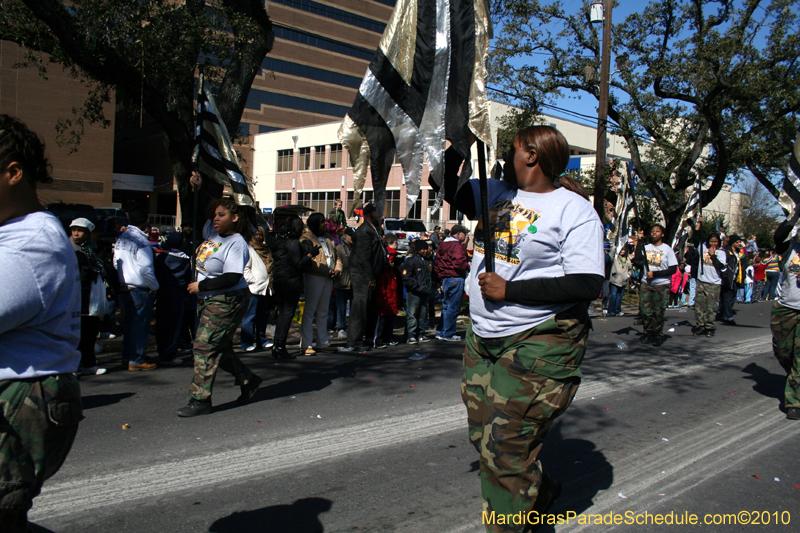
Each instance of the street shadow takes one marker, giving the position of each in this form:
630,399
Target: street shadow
102,400
765,382
300,517
580,467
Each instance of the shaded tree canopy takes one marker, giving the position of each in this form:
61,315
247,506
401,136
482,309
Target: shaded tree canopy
700,89
149,53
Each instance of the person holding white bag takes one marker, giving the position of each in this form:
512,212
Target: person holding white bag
256,273
92,275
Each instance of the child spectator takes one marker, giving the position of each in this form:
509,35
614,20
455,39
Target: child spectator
678,282
387,295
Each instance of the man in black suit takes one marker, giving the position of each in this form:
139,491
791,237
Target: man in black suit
366,264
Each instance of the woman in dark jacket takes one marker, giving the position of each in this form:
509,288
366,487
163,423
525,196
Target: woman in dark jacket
290,259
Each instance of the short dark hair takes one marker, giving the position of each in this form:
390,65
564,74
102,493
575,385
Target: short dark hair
314,221
657,225
18,143
293,225
391,238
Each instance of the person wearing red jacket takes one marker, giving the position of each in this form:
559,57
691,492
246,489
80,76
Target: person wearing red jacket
451,266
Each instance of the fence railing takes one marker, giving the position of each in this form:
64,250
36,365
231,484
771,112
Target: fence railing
162,220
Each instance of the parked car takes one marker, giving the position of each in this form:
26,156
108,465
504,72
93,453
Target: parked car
405,230
112,220
66,213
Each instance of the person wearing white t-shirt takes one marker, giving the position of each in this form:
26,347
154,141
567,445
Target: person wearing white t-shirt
530,322
223,297
661,264
785,320
40,325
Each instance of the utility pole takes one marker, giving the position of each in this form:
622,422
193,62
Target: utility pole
602,115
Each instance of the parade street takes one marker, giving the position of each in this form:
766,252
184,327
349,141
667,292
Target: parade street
377,442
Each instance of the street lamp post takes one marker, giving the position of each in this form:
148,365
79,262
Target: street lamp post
602,114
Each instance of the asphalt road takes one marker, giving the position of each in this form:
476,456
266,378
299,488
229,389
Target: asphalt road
378,442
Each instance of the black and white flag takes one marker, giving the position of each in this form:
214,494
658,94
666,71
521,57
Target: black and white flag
426,84
624,205
214,154
689,218
789,199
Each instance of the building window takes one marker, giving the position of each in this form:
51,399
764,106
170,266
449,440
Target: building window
285,160
453,214
391,208
321,202
416,210
319,157
304,158
431,202
336,156
283,198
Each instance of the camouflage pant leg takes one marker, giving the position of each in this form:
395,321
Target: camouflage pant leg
706,305
758,288
511,408
785,325
213,345
39,422
653,303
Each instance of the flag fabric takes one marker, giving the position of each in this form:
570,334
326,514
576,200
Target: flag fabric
426,84
214,154
625,202
689,218
789,198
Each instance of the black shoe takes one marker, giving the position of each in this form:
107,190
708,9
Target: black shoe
646,339
793,413
659,341
729,322
549,491
709,333
699,332
195,408
249,390
279,352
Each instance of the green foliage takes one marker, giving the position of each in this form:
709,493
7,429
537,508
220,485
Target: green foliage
148,53
700,88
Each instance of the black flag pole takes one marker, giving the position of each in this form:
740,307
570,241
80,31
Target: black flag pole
195,188
488,245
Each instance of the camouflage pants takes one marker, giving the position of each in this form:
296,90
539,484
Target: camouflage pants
785,324
39,422
706,305
213,345
514,388
653,303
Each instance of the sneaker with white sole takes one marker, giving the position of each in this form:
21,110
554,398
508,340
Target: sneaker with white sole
267,345
411,340
346,349
309,351
92,371
250,348
453,338
424,339
342,334
439,337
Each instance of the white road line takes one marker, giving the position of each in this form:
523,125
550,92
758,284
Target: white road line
80,495
690,459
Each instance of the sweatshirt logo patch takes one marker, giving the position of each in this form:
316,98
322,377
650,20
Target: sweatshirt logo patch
510,224
206,249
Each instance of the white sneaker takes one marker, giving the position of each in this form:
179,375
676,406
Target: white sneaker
439,337
342,334
92,371
268,344
346,349
424,339
250,348
411,340
454,338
